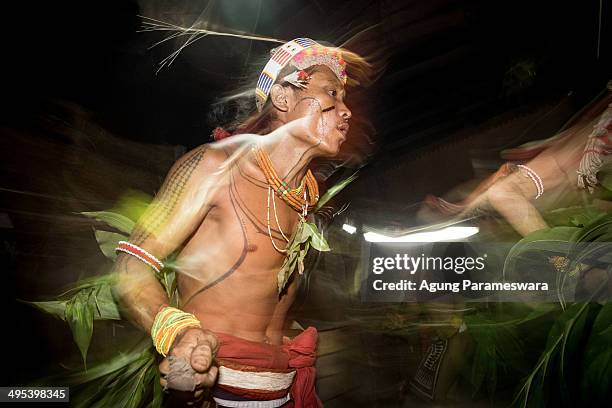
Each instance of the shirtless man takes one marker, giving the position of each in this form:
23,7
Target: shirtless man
218,211
556,172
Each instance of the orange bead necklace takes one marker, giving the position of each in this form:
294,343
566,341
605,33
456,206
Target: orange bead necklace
295,197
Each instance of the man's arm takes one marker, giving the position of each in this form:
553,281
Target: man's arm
176,212
513,196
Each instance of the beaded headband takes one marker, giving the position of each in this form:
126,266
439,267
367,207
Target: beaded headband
300,53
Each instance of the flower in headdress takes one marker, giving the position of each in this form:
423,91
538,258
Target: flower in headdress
219,133
303,76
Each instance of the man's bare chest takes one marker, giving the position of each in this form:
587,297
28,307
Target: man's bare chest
249,217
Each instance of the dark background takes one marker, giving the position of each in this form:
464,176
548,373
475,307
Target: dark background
86,116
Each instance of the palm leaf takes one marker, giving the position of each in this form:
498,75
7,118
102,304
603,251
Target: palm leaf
125,379
560,340
573,330
158,394
596,381
100,370
130,387
497,348
335,189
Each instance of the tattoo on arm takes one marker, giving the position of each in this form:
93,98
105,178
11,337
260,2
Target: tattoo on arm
167,198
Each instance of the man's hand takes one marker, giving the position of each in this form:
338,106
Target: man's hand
189,365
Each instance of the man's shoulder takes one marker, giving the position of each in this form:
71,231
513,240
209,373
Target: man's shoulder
203,156
218,152
209,155
207,159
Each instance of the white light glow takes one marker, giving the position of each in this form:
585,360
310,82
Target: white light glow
349,228
445,234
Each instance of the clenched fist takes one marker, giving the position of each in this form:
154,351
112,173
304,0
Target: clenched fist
189,367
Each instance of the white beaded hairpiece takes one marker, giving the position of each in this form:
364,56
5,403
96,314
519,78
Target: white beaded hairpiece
300,53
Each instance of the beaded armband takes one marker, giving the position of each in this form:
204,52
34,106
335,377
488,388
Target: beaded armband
168,324
141,254
534,177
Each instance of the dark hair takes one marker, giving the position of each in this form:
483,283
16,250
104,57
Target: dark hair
237,113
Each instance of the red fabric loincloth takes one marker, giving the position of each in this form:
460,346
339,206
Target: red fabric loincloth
297,353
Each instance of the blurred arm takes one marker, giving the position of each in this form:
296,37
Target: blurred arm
176,212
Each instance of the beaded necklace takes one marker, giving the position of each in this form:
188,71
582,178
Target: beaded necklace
296,198
301,199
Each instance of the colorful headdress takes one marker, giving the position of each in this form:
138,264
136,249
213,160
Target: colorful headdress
300,53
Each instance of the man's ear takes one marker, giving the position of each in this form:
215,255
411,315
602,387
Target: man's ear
279,97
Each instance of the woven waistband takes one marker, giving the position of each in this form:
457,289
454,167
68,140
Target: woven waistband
275,403
255,380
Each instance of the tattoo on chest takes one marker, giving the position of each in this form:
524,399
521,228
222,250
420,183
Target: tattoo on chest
243,252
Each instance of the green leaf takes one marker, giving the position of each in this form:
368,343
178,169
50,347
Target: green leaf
286,270
591,254
100,370
92,282
120,382
586,217
300,236
598,226
538,242
300,259
158,393
55,307
169,281
281,276
305,236
316,238
131,387
606,181
576,216
106,307
551,234
79,316
479,370
335,189
573,332
596,381
128,387
122,223
497,348
557,339
108,241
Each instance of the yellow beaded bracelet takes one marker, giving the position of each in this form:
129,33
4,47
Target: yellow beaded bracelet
168,324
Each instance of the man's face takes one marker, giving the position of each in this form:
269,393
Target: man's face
323,101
